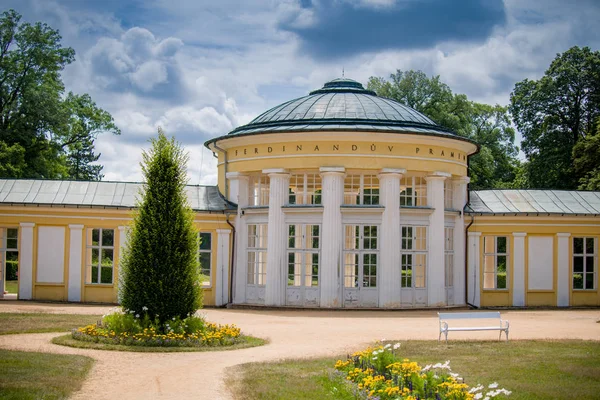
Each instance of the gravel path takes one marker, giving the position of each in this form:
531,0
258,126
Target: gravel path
293,334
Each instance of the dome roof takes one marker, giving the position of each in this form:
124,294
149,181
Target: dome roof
341,105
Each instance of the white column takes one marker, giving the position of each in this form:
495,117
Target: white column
222,278
473,255
436,289
389,238
460,188
75,262
241,238
277,237
563,278
233,179
331,238
26,261
518,268
123,232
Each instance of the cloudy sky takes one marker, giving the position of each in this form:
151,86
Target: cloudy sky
199,68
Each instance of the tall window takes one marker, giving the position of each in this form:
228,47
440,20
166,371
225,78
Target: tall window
361,190
305,188
413,256
258,190
100,255
9,253
495,262
361,251
413,191
449,256
585,259
303,255
257,254
448,194
204,256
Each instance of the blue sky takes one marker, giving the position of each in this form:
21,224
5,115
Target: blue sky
200,68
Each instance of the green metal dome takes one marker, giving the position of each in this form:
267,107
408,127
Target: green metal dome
341,105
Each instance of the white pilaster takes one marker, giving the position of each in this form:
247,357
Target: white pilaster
277,237
26,261
518,269
241,239
75,262
331,239
473,290
123,238
233,179
436,290
389,238
563,278
222,278
460,188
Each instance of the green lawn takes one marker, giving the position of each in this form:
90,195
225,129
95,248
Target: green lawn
11,286
41,322
40,375
530,369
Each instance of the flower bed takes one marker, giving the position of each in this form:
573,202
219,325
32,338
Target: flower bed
126,328
379,373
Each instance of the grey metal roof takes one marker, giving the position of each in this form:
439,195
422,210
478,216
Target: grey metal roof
533,202
341,104
98,194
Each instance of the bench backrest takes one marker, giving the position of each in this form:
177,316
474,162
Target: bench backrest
470,315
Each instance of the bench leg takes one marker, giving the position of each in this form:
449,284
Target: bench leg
440,336
446,334
506,335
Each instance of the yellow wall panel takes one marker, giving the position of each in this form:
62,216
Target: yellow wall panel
50,292
536,299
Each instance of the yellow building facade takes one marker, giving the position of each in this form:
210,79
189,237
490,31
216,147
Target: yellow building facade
339,199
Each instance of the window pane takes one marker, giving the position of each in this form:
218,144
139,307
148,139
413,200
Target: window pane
106,275
205,264
501,241
589,281
578,264
95,256
488,264
107,257
205,241
589,245
11,243
107,237
577,281
95,237
578,245
94,274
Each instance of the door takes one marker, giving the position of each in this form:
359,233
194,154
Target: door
303,258
361,257
413,291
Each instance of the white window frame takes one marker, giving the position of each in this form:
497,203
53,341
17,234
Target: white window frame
258,190
90,247
257,234
413,191
360,252
355,186
4,249
303,233
308,186
585,255
410,235
495,254
448,194
201,251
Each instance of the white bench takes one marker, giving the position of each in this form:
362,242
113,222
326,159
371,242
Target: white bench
499,325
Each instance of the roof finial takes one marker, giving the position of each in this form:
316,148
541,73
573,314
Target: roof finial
342,72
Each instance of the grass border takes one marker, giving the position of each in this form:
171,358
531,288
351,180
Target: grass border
67,340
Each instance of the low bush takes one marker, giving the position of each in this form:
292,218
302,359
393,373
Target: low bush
132,329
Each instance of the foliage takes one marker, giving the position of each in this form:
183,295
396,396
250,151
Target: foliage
160,271
382,374
489,126
586,161
43,134
556,112
124,327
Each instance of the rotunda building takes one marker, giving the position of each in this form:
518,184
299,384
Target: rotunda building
346,200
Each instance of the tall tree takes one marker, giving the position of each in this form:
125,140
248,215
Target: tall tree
36,119
554,113
586,161
489,126
160,274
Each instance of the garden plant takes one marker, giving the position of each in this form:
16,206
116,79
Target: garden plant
380,373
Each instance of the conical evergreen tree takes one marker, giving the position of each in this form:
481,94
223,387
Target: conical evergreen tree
160,273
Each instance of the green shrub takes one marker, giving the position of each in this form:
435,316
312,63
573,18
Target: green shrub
160,263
